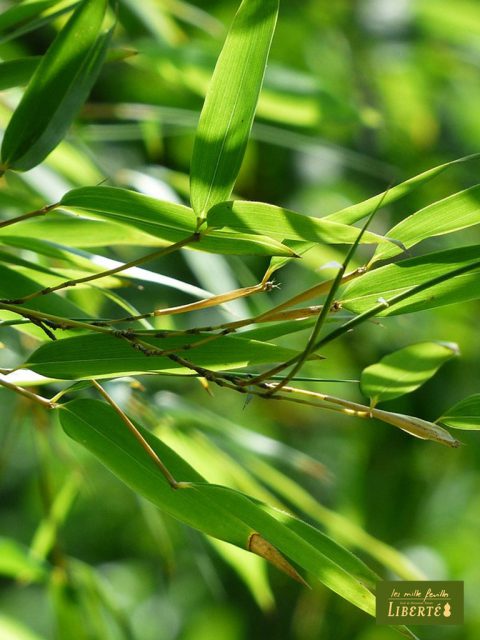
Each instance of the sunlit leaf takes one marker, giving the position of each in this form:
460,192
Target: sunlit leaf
377,285
58,88
280,223
356,212
463,415
404,370
16,562
458,211
165,220
230,104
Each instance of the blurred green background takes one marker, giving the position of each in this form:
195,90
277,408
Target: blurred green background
358,94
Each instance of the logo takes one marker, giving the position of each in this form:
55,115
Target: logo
420,602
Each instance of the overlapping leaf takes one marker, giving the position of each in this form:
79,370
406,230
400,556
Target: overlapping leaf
104,355
384,283
215,510
282,224
458,211
165,220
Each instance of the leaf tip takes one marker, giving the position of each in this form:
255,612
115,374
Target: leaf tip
257,544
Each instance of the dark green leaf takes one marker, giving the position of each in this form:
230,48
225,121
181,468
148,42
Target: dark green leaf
104,355
58,88
15,73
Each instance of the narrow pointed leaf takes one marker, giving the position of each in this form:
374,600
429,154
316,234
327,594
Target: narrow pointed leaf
356,212
167,221
97,427
458,211
282,224
104,355
369,290
463,415
215,510
23,12
404,370
57,89
230,104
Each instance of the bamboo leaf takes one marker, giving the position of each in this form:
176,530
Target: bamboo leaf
458,211
104,355
14,285
215,510
229,109
76,231
167,221
369,290
463,415
282,224
57,89
22,12
17,562
15,73
356,212
404,370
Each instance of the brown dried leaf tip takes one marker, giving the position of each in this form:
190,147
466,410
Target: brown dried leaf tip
263,548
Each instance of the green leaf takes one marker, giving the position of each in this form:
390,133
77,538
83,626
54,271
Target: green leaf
165,220
229,109
215,510
464,415
58,88
17,562
366,292
22,12
356,212
280,223
97,427
458,211
104,355
404,370
14,285
76,231
16,73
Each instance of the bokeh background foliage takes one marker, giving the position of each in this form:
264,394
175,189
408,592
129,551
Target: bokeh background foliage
356,96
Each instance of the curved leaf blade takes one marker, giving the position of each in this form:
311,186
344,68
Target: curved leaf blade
356,212
57,89
167,221
229,108
459,211
404,370
283,224
104,355
214,510
367,291
464,415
